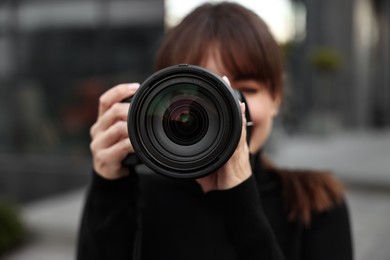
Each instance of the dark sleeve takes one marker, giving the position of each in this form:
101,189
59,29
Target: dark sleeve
108,222
247,225
329,236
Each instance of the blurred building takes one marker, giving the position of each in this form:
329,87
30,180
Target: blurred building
56,58
339,70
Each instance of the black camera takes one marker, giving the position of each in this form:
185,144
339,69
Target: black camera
185,122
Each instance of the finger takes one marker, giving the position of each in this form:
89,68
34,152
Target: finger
243,131
115,95
115,154
243,116
108,162
121,149
112,135
117,112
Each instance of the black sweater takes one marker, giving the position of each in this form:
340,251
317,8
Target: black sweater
173,219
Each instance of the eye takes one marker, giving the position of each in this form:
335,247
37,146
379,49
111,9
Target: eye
248,90
248,87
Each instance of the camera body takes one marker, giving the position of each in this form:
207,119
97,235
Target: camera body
185,122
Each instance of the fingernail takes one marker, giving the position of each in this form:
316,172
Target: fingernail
133,86
226,80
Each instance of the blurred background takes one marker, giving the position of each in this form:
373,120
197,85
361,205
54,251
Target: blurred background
58,56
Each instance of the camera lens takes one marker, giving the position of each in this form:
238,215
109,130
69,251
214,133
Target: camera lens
184,122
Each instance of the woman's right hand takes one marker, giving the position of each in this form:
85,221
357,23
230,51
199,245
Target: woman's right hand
110,142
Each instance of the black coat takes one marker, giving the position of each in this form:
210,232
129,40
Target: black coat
173,219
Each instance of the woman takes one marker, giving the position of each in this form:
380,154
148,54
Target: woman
248,209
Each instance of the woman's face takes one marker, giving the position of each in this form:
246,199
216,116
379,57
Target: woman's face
262,107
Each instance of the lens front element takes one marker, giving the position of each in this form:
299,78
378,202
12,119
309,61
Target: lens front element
185,122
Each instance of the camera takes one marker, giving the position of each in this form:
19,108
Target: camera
185,122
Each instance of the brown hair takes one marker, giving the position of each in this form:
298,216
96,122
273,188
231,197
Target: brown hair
241,39
305,192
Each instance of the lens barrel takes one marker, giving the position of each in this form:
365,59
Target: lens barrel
184,122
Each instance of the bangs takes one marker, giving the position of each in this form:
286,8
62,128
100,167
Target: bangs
250,53
241,63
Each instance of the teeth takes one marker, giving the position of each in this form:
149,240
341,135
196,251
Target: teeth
249,123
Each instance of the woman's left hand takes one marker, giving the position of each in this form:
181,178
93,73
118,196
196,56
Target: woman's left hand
236,170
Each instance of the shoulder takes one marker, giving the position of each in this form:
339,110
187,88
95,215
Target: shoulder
307,192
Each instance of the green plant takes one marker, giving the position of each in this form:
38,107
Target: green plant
11,227
326,59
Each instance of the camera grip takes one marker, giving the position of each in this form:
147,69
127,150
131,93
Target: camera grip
131,160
